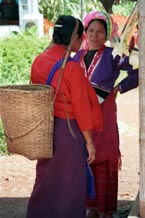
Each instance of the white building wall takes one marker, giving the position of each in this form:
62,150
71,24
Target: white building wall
29,13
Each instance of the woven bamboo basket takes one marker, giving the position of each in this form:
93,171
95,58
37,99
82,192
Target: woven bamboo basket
27,117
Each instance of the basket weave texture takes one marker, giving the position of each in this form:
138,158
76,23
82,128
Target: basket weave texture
27,117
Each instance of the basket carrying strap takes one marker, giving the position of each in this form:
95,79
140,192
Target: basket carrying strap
48,82
55,68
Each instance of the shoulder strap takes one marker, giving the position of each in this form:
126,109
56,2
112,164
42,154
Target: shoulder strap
54,69
51,74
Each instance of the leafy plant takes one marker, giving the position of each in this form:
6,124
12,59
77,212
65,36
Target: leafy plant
124,8
16,56
3,148
52,9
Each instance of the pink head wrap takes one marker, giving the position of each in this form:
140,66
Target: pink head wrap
111,25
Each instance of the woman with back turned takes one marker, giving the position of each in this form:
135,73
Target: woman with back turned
60,188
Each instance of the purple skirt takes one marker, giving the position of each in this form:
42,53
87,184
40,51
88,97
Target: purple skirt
60,186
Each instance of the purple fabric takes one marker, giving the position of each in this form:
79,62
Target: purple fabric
60,186
108,70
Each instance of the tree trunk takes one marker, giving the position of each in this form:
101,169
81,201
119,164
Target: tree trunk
142,105
107,4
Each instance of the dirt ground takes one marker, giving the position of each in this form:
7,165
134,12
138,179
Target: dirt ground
17,173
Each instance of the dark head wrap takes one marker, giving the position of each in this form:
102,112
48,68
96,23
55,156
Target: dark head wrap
63,29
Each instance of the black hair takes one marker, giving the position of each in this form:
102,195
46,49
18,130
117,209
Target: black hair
101,21
63,29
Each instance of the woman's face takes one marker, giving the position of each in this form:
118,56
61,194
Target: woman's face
77,43
96,35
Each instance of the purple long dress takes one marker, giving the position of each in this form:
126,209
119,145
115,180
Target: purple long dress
53,197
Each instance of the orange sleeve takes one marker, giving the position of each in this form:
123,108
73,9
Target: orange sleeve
84,101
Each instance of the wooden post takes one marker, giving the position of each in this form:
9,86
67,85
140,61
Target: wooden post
142,106
82,3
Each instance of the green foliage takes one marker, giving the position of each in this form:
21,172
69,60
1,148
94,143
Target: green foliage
72,7
3,148
17,53
51,9
124,8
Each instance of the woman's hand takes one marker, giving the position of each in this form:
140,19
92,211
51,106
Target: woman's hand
91,152
89,145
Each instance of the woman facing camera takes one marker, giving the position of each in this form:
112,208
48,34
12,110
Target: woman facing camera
102,71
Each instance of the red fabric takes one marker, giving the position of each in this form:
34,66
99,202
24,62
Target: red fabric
106,186
80,97
107,141
105,167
